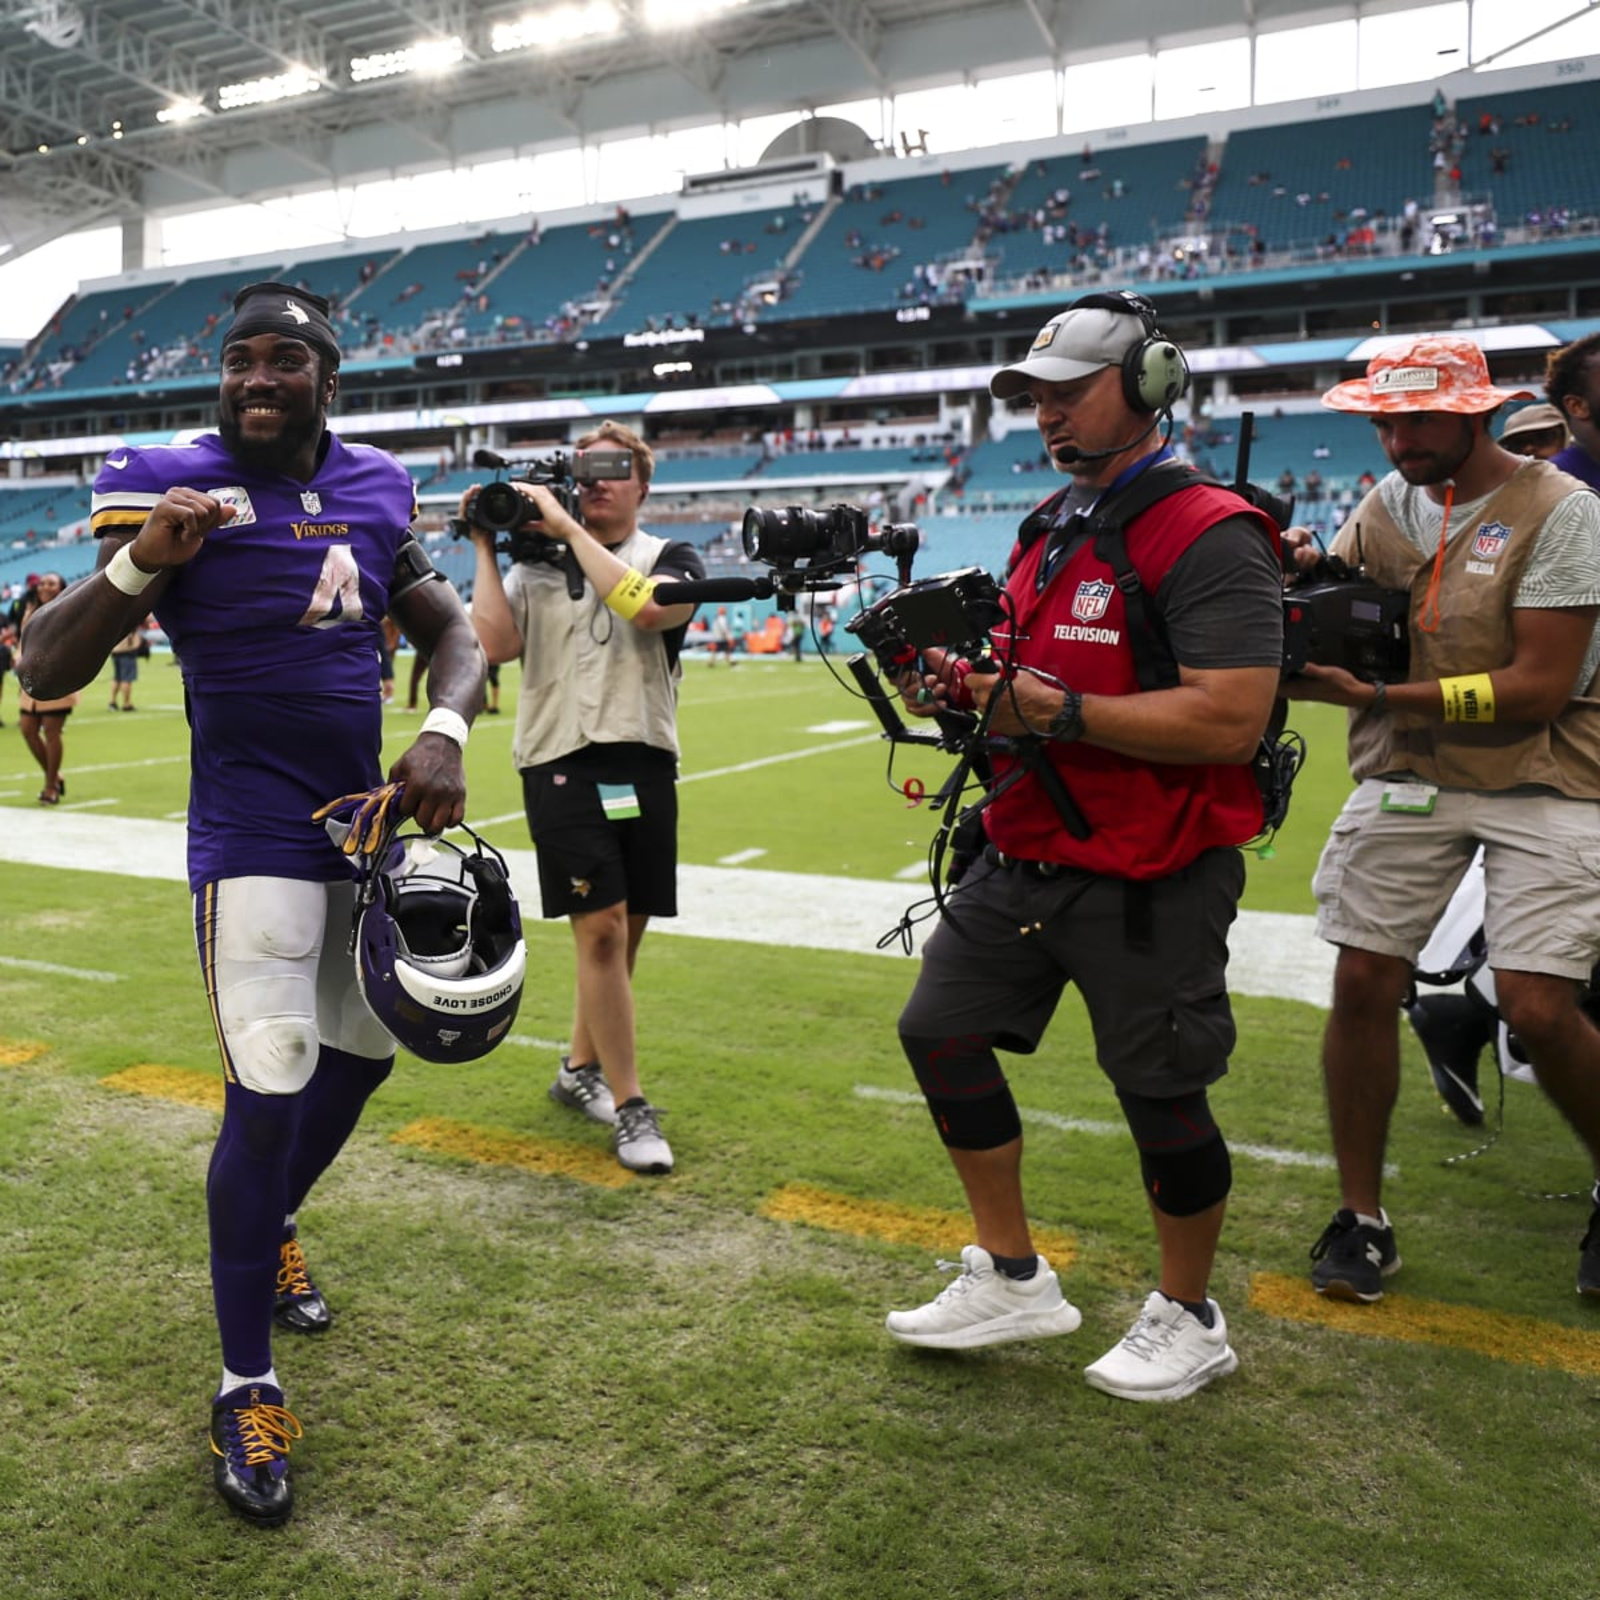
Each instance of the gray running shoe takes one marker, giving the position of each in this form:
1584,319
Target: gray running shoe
584,1089
637,1138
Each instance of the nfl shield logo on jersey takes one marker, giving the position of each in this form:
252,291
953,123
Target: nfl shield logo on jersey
1089,603
1491,540
312,501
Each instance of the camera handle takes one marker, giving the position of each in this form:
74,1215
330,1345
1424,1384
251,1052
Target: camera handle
783,586
959,735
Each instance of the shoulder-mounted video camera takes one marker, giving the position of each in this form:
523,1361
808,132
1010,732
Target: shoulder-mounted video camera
499,508
1334,615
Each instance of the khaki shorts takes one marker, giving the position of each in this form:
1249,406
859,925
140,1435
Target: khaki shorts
1385,877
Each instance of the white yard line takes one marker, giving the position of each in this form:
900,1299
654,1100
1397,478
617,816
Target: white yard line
1050,1119
60,972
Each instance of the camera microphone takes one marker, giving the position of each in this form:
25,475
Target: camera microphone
1069,455
487,458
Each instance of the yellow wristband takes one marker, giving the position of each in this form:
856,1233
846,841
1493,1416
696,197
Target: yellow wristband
631,595
1468,699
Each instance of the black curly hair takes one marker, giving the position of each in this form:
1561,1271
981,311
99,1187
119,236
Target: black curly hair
1564,371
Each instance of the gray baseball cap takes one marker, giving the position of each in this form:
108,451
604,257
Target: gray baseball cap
1070,345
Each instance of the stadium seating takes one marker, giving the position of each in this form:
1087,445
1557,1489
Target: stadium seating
897,224
1153,201
539,284
1547,164
1376,161
702,269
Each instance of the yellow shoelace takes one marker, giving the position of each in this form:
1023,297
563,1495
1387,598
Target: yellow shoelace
265,1432
293,1278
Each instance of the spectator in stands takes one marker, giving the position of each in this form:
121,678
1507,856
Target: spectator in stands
1572,381
42,719
596,742
1539,430
1501,558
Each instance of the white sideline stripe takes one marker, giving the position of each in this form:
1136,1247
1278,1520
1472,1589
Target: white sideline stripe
60,972
526,1041
1275,955
917,869
90,805
739,857
1050,1119
105,766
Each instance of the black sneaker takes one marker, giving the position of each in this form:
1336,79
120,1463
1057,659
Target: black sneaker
1589,1254
1352,1259
299,1307
250,1437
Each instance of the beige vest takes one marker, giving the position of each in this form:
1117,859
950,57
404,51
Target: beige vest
588,676
1483,566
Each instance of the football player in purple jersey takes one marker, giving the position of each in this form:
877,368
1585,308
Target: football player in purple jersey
270,552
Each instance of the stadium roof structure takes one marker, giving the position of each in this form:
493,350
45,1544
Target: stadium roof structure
83,82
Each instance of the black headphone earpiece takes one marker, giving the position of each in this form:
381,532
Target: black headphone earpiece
1155,375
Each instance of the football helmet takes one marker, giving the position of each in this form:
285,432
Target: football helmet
437,936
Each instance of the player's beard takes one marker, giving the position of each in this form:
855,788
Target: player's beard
274,454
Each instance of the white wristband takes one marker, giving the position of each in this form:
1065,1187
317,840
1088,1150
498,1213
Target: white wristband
122,574
450,723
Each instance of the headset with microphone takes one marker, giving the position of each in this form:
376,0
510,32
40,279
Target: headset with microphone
1155,375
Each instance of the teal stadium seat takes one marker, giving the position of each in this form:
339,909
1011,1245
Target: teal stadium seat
1389,163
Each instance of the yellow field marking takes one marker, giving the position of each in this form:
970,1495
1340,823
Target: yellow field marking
1525,1341
896,1224
552,1158
188,1088
18,1052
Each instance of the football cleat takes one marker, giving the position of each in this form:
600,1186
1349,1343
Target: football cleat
250,1437
299,1306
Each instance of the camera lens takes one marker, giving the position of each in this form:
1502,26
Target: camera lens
498,507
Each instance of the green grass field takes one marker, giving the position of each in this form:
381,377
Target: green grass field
542,1384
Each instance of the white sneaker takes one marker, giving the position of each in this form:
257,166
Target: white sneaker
584,1089
637,1139
1165,1355
984,1307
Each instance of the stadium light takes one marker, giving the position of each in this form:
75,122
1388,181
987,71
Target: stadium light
560,25
661,15
427,55
181,111
262,91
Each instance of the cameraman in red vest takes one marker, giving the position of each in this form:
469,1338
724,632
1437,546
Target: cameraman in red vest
1111,857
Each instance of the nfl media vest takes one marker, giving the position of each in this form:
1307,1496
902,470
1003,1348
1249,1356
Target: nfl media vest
1483,564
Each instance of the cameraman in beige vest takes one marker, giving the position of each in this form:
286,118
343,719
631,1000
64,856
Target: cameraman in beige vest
1493,740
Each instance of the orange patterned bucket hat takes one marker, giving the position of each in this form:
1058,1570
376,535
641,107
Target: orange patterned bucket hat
1437,372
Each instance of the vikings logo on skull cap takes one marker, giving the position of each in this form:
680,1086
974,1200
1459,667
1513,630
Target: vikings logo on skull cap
1437,372
282,308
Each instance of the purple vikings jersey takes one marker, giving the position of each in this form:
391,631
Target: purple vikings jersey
276,623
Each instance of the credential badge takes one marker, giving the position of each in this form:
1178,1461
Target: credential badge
1089,603
312,501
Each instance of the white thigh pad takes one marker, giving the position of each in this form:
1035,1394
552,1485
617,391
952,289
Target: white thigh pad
261,969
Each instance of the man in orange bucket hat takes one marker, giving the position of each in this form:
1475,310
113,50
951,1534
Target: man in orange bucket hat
1492,740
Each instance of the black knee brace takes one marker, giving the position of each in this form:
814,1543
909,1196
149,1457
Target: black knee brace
1182,1154
966,1091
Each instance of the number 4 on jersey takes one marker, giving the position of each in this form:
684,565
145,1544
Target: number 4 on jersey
337,597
